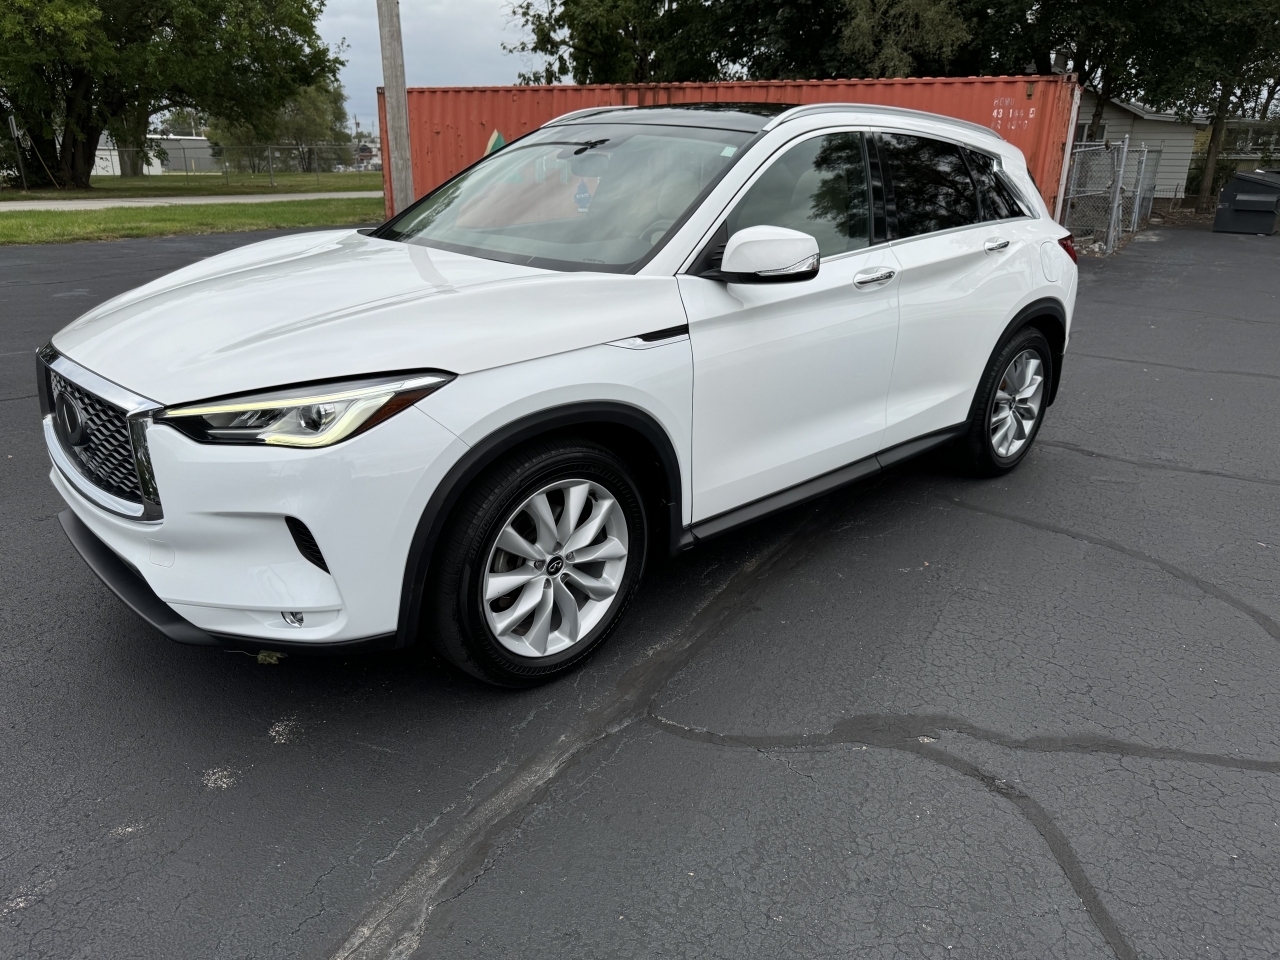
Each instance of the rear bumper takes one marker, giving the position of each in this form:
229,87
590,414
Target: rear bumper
138,596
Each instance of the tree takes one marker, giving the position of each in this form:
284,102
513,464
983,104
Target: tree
617,41
892,38
1220,58
315,115
70,69
787,40
1102,39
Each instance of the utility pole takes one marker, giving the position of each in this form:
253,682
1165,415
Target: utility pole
395,139
17,145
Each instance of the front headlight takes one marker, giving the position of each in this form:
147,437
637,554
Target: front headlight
310,415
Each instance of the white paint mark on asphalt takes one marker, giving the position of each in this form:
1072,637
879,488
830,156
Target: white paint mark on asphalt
219,778
285,731
25,897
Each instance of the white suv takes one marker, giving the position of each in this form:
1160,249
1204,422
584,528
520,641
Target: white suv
626,332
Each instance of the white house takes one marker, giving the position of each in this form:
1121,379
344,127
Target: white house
1175,139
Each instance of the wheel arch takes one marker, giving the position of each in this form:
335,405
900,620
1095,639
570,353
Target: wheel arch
628,431
1049,316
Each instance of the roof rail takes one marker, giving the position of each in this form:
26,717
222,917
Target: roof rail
809,109
588,111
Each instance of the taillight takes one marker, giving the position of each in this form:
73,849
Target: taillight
1069,245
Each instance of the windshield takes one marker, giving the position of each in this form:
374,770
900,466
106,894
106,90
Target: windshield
574,197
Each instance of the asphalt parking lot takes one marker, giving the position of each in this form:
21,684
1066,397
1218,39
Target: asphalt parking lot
927,717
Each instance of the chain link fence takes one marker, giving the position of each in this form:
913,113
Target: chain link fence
235,163
1109,192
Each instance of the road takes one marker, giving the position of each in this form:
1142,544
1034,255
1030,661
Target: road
97,203
927,717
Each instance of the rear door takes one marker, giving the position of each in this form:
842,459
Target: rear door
790,379
967,265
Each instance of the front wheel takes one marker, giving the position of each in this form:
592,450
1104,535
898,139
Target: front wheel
1010,404
540,561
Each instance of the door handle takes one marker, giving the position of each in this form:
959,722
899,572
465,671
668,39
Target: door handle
994,246
875,276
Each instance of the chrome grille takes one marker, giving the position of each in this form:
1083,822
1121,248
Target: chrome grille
106,457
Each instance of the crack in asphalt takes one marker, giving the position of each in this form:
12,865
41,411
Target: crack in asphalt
1174,366
902,733
395,926
1212,589
879,729
1157,464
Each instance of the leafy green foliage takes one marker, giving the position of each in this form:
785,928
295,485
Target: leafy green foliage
1220,58
314,114
889,38
617,41
70,69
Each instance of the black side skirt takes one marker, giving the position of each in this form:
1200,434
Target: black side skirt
811,489
138,596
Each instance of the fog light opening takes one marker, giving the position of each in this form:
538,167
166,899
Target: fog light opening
294,618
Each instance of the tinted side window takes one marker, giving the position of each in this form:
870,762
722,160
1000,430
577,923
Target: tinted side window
932,188
818,187
997,200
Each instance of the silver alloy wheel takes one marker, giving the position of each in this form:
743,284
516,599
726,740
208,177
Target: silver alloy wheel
1017,404
556,567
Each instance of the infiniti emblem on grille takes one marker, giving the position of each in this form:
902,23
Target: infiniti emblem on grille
554,566
70,421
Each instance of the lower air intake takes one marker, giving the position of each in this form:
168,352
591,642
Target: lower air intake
305,542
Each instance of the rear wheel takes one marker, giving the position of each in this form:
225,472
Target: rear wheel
539,563
1010,404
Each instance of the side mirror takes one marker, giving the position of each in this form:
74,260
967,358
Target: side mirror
770,255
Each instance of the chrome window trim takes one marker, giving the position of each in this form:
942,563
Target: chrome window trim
91,492
950,230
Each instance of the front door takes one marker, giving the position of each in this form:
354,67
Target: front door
791,379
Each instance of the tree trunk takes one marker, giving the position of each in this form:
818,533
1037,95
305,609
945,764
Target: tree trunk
1102,96
42,160
1266,103
131,141
80,134
83,157
1204,199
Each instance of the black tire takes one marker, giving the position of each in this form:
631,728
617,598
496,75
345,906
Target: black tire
977,451
460,629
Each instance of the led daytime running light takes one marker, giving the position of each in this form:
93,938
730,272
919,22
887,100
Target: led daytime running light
283,401
314,416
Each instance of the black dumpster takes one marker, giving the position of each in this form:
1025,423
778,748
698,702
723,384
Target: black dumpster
1249,204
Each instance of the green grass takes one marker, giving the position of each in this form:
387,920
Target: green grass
115,223
205,185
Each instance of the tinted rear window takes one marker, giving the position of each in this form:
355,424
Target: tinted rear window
998,201
932,189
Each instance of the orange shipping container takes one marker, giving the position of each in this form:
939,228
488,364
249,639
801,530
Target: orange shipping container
449,127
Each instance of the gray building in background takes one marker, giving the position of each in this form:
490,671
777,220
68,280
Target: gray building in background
167,155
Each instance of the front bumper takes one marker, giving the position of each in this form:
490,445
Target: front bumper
128,585
221,566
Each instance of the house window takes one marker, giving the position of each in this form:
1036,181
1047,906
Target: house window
1082,130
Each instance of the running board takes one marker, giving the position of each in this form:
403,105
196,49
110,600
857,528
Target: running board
818,486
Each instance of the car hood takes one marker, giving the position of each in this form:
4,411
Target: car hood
338,304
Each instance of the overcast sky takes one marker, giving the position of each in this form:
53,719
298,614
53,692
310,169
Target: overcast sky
447,43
